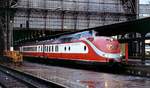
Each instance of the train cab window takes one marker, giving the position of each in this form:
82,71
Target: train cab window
52,48
41,48
36,48
65,48
56,48
46,48
84,48
49,48
33,48
69,48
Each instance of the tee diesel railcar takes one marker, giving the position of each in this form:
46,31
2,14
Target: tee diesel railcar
83,46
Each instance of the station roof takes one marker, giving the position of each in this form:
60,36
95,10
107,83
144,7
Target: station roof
137,26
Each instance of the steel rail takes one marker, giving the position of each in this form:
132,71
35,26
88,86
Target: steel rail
29,80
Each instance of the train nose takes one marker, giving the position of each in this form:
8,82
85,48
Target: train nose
108,48
107,45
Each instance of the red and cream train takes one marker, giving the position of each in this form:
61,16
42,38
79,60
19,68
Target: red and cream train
83,46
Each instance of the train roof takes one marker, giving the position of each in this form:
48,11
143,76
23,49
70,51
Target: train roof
78,35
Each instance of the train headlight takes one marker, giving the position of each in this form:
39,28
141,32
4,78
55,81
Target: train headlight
107,55
121,55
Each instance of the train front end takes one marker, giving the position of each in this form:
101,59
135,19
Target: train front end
108,48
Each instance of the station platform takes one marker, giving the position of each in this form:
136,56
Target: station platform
138,62
136,67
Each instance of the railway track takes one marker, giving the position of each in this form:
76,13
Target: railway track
138,70
11,78
78,78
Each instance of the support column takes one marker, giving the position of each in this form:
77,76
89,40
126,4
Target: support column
143,48
7,31
28,16
62,21
11,36
45,18
138,48
137,8
75,15
88,15
62,15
